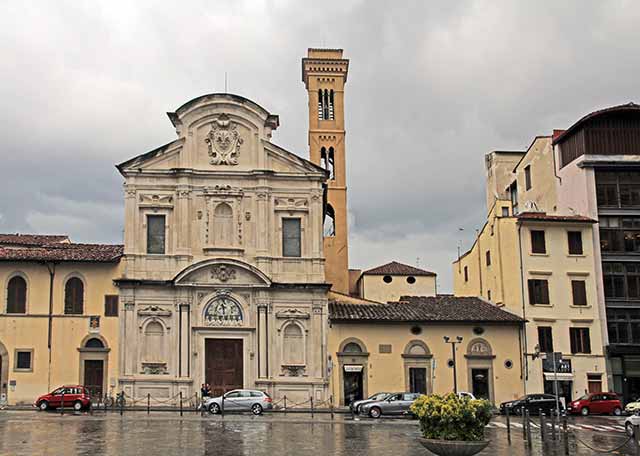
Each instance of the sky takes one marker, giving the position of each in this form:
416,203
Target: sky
433,86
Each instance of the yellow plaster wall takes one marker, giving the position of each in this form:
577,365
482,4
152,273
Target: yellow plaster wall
68,331
386,372
374,288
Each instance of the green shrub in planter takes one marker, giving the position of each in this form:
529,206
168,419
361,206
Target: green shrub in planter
451,417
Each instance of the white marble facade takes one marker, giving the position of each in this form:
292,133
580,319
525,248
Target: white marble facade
214,267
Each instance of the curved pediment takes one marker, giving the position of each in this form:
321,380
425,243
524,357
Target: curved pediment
225,272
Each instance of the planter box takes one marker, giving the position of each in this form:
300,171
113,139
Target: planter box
453,447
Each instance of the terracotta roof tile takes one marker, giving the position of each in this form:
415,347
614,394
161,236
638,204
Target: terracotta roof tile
32,239
395,268
55,248
442,308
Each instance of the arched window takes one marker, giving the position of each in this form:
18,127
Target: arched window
331,104
327,161
293,345
320,110
325,105
17,295
153,343
329,222
223,225
74,296
94,343
352,347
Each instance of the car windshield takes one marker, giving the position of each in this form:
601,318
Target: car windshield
378,397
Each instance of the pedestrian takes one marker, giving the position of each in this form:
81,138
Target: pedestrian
208,389
203,391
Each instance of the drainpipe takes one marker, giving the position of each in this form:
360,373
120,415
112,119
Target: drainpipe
524,310
52,272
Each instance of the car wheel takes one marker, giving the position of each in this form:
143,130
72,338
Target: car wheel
214,408
584,411
629,428
617,411
77,406
375,412
44,405
256,409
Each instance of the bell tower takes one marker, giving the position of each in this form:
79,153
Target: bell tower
324,73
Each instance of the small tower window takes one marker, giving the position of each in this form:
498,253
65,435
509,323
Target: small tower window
325,105
320,104
329,222
331,104
327,161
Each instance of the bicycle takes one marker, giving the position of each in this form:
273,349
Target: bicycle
119,400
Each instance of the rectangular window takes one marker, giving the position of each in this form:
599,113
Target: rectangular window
545,339
111,305
621,280
488,257
489,295
575,242
538,291
580,340
23,360
291,237
505,211
527,177
466,274
579,291
156,234
538,244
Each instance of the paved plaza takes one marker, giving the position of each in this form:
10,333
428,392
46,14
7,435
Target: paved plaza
135,433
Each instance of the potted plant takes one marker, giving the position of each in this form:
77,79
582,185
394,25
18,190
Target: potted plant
451,425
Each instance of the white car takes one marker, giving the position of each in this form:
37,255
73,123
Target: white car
632,407
631,421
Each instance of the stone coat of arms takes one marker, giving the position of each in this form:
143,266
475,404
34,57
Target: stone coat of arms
224,142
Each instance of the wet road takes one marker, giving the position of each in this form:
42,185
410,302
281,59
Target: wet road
30,432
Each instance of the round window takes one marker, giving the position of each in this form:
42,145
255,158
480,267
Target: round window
411,280
478,330
508,364
387,279
415,330
450,363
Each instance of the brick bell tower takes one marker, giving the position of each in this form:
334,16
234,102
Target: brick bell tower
324,73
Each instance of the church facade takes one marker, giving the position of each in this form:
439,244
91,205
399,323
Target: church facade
223,278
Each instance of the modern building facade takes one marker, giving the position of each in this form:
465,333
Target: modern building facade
58,317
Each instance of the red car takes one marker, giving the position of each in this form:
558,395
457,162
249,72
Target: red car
75,396
596,403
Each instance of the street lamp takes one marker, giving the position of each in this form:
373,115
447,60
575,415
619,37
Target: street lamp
453,343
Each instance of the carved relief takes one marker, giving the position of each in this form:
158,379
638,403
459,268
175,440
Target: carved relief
223,311
288,204
293,370
149,199
154,369
156,311
293,313
224,142
223,273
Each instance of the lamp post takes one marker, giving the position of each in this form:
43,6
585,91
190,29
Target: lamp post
453,343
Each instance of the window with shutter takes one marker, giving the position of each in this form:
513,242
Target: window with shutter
578,287
538,242
291,237
538,291
17,295
111,305
545,339
580,340
575,242
74,296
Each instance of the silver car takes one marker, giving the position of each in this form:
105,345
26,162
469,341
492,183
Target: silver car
240,400
394,404
355,405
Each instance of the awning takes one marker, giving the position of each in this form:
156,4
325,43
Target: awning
353,368
561,377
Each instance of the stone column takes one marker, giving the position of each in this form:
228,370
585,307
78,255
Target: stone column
183,227
129,338
184,334
263,347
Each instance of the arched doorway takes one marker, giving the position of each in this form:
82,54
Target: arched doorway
352,362
480,369
417,367
94,364
4,373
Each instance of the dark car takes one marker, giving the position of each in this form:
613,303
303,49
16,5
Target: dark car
355,405
594,403
535,403
76,396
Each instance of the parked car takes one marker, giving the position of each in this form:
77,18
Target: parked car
355,405
535,403
463,394
393,404
594,403
632,407
240,400
76,396
631,421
